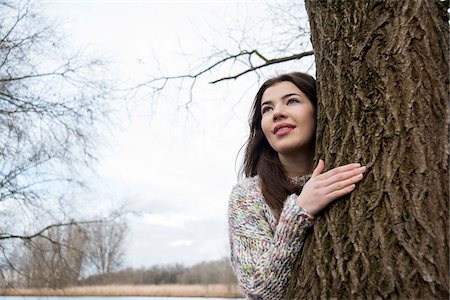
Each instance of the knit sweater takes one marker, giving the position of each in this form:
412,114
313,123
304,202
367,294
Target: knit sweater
263,251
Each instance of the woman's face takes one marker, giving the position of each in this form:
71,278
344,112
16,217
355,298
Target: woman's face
287,119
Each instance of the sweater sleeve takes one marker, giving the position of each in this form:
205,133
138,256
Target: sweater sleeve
262,259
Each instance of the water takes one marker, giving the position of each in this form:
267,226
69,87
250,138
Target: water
109,297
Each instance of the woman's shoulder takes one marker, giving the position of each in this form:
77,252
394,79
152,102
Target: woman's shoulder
247,186
249,182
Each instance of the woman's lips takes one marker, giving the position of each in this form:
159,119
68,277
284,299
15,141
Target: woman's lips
283,129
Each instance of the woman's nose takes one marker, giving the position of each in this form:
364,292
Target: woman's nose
278,113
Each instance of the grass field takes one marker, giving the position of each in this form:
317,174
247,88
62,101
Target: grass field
164,290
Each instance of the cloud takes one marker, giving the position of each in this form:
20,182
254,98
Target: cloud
176,238
181,243
172,220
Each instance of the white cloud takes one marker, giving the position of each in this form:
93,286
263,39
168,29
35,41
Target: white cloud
180,243
168,220
151,244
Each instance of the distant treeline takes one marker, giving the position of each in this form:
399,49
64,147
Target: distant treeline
211,272
71,256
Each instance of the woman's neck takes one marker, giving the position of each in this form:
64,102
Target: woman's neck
299,164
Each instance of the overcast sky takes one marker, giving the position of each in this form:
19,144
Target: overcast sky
175,166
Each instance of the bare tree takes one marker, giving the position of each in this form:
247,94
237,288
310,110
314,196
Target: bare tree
52,103
105,246
62,255
54,260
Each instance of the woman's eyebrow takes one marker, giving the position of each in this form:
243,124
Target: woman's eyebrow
284,97
289,95
266,102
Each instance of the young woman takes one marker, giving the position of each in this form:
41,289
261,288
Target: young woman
272,208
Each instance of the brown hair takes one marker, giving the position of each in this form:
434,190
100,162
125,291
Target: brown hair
260,158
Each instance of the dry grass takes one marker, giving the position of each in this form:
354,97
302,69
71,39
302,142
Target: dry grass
164,290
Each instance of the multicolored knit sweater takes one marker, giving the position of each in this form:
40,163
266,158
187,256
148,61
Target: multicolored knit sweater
263,251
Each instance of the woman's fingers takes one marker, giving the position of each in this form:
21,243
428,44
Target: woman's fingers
342,176
342,185
339,170
342,192
319,169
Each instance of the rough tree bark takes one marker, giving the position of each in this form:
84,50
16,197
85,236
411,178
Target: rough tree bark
383,78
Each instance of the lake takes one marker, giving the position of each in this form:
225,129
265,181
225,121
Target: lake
103,298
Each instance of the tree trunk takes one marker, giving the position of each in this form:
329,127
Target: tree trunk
382,70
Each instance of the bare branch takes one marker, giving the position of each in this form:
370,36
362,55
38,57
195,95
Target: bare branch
228,58
195,75
268,63
5,236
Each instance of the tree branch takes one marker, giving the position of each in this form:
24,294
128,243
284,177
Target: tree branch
5,236
231,57
267,63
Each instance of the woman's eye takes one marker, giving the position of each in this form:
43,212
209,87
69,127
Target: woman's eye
293,100
266,109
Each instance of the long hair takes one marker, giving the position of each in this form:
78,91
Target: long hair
260,158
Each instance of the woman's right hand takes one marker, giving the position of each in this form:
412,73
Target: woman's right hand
324,188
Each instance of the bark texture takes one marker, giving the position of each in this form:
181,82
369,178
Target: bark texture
383,75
